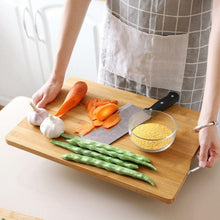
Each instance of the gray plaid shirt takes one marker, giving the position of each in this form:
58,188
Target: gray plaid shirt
169,17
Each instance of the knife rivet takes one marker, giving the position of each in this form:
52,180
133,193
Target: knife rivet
172,96
161,103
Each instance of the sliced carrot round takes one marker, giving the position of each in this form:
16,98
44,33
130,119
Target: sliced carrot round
104,111
112,120
84,128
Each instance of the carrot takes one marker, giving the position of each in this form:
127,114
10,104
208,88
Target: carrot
84,128
97,123
98,111
114,101
91,102
90,106
73,98
112,120
105,101
104,111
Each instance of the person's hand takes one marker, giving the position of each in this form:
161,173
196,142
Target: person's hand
47,93
209,147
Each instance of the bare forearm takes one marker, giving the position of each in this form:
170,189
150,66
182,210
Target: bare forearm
211,100
72,19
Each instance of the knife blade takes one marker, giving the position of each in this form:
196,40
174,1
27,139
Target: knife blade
108,136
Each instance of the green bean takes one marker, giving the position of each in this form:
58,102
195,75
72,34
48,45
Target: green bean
107,147
93,147
108,166
94,154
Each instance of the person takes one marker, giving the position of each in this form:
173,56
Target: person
152,47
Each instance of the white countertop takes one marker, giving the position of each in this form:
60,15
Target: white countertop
42,188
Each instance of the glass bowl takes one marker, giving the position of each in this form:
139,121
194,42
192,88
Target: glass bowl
152,130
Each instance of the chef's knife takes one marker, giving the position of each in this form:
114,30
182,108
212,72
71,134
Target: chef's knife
108,136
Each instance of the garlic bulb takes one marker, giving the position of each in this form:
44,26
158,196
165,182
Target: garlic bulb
52,127
37,116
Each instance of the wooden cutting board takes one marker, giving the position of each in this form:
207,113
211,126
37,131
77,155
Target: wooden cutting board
172,164
12,215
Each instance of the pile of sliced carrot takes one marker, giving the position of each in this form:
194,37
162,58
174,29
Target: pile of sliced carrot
102,112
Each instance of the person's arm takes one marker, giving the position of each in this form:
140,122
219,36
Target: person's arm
73,15
208,137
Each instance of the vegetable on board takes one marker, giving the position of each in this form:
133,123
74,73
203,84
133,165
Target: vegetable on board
104,111
108,166
73,98
106,101
109,150
110,153
112,120
37,116
94,154
90,106
105,146
52,127
97,123
84,128
95,104
101,112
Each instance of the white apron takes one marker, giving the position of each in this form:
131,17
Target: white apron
154,46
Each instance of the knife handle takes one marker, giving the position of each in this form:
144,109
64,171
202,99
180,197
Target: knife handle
165,102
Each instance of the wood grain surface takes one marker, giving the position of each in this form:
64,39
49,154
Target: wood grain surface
172,164
12,215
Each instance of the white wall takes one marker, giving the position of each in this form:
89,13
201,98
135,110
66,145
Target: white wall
27,55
